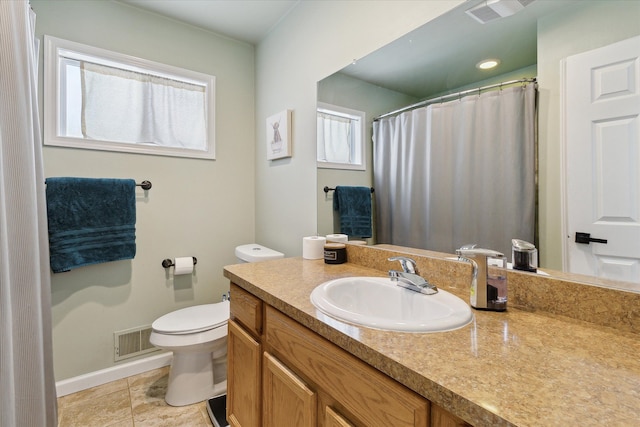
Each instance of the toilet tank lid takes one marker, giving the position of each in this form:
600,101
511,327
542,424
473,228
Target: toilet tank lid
256,253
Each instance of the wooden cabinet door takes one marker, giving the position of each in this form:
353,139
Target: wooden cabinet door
442,418
243,378
333,419
370,397
287,399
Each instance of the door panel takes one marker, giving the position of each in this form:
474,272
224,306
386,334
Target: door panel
602,163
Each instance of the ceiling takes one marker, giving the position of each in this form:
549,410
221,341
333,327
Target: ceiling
246,20
433,59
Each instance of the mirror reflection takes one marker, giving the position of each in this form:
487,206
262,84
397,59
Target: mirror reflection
458,172
340,137
440,58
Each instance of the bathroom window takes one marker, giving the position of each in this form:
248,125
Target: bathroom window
340,139
102,100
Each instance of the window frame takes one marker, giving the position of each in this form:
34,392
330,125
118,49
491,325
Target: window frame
360,148
53,85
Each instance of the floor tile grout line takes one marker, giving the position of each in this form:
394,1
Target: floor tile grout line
133,421
139,382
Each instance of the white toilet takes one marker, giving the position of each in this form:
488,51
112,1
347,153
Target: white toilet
256,253
197,336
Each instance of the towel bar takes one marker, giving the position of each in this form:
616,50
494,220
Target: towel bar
146,185
166,263
327,189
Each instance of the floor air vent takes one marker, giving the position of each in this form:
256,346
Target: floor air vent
132,342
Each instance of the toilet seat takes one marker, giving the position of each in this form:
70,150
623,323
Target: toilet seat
192,320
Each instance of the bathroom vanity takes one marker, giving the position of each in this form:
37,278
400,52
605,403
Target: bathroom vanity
289,364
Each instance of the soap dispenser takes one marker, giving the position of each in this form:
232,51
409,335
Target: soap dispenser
489,281
524,256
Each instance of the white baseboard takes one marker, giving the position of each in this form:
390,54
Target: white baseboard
103,376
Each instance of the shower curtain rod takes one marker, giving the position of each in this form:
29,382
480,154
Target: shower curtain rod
453,95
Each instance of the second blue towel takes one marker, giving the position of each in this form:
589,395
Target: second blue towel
354,206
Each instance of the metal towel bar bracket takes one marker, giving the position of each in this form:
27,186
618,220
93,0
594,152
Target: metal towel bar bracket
146,185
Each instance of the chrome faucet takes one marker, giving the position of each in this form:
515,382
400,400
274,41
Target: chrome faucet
408,265
409,278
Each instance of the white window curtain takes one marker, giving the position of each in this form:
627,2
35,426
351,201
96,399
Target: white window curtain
148,109
26,356
335,139
458,172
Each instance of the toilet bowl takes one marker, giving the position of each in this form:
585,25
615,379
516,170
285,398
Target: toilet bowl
197,336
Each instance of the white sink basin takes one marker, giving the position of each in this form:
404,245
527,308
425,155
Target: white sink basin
379,303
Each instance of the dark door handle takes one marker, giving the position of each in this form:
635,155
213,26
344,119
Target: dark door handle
586,238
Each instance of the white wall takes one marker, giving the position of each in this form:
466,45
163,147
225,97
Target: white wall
315,40
196,208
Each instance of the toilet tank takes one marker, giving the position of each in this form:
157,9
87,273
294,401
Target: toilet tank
256,253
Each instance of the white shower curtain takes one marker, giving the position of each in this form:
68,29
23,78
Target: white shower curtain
27,383
458,172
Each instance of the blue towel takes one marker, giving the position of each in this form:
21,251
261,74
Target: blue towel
91,221
354,206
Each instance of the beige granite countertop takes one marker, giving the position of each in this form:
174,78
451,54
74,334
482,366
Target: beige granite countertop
524,367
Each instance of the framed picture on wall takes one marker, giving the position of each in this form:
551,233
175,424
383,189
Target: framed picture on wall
279,135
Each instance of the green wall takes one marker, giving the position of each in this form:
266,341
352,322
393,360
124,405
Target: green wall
200,208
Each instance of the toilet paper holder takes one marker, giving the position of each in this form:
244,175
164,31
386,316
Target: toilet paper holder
166,263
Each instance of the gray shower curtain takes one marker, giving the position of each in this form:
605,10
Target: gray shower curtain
27,384
458,172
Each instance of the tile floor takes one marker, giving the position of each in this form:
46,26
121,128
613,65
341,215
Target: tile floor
134,401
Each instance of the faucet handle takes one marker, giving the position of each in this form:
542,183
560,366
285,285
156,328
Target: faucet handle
408,265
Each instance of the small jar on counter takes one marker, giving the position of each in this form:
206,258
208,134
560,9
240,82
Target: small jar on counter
335,253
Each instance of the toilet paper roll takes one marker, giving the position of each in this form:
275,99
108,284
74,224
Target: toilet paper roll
183,265
313,247
337,238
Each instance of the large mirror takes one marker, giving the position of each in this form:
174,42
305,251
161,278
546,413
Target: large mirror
440,58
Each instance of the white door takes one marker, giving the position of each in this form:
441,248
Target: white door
602,109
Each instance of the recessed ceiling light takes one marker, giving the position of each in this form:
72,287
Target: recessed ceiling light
487,64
